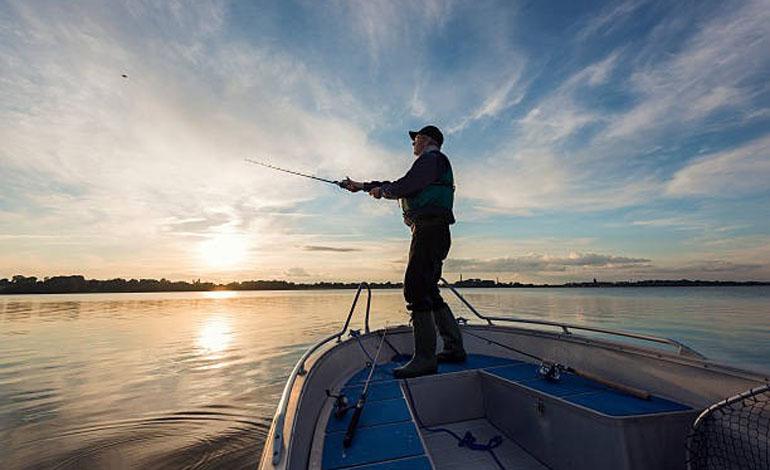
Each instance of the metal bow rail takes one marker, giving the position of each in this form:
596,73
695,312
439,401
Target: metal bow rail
681,349
299,369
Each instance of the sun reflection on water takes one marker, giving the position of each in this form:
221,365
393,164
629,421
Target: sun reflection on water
219,294
215,335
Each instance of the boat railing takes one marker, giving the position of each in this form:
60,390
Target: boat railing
566,328
299,369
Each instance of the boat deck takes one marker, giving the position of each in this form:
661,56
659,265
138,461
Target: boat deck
389,437
447,455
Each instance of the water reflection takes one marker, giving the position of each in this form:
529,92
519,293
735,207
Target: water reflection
220,294
215,335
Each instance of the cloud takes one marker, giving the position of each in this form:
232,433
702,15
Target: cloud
608,20
385,25
730,173
538,263
329,248
716,68
296,272
132,173
156,160
499,100
570,151
536,169
718,266
709,269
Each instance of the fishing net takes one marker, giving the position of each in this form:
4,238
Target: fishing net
732,434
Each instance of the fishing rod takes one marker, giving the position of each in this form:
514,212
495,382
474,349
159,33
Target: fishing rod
273,167
348,439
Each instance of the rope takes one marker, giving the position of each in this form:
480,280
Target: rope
468,440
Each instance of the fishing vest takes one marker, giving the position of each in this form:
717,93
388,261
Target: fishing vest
438,194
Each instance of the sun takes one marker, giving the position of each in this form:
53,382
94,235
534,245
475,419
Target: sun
224,250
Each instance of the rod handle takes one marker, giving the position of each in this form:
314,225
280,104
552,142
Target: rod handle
353,425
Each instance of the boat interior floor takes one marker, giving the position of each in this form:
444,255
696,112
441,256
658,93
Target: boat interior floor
493,412
447,454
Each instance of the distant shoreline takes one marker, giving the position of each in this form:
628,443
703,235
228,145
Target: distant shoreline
79,285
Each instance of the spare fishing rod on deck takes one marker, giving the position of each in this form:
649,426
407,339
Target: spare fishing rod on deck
348,439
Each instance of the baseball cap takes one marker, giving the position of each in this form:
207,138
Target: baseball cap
430,131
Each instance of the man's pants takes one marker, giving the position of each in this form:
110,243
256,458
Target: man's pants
429,247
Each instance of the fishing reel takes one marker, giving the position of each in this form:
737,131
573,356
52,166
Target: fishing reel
341,404
550,371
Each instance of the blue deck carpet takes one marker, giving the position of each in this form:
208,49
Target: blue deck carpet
373,444
412,463
375,413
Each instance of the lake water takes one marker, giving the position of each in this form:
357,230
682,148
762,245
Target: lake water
192,379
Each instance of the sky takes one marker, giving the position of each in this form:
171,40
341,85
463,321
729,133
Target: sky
613,140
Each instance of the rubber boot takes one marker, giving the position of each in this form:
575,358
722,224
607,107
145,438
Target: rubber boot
450,333
424,360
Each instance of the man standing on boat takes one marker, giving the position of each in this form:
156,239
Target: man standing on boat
426,195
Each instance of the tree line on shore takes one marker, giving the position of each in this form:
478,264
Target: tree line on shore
79,284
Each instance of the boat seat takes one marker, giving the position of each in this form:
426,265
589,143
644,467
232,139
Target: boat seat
589,394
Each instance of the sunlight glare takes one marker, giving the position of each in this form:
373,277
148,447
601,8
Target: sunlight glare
219,294
215,335
224,250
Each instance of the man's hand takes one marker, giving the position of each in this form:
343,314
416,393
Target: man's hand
350,185
376,192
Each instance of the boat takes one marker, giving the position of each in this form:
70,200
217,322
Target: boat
532,394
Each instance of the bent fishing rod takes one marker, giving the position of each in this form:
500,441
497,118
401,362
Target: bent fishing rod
348,439
273,167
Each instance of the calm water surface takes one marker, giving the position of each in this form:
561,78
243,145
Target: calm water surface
192,379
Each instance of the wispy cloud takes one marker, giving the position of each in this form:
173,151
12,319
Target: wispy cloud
500,99
731,173
538,263
333,249
611,19
712,71
296,272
